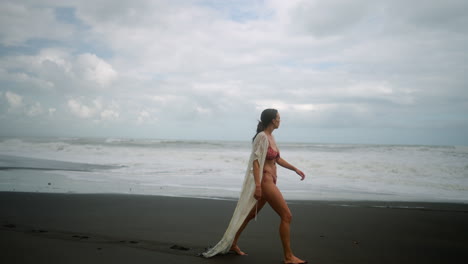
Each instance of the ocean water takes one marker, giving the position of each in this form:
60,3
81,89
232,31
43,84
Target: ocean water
215,169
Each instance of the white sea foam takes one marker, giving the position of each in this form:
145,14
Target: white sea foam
216,169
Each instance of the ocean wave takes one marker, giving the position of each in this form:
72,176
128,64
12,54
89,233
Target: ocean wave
335,169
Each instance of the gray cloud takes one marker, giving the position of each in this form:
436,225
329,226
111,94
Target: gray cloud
330,18
196,69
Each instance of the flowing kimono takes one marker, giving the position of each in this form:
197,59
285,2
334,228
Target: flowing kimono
246,200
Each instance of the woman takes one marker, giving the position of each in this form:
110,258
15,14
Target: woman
259,187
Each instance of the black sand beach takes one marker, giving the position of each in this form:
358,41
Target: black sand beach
97,228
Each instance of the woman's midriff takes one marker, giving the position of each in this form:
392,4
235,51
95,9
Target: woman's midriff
269,172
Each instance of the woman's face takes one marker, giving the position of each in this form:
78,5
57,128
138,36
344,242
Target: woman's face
277,120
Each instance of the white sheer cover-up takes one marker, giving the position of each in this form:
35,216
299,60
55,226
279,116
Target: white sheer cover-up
246,199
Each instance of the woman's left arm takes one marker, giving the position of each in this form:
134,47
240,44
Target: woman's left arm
286,165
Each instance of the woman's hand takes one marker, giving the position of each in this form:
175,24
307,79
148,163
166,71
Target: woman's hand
286,165
258,192
300,173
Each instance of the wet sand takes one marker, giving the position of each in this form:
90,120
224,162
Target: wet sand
111,228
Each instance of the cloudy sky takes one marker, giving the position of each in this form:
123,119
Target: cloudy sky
361,71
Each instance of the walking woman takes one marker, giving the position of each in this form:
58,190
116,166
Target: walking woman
259,188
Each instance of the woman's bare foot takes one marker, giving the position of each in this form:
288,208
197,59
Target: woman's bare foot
236,249
294,260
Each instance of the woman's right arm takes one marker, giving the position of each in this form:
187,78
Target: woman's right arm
258,185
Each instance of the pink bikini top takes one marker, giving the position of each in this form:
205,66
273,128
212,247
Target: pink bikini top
272,154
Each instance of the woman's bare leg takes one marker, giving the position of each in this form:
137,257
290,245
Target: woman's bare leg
274,197
255,210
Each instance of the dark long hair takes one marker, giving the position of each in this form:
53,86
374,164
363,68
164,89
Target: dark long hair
267,116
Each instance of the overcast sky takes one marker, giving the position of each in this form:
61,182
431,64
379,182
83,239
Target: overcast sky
361,71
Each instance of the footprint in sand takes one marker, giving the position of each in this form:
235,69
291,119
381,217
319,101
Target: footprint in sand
80,237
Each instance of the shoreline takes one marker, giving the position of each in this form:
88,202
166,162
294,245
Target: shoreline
288,200
119,228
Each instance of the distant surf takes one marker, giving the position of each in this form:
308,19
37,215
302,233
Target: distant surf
215,169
